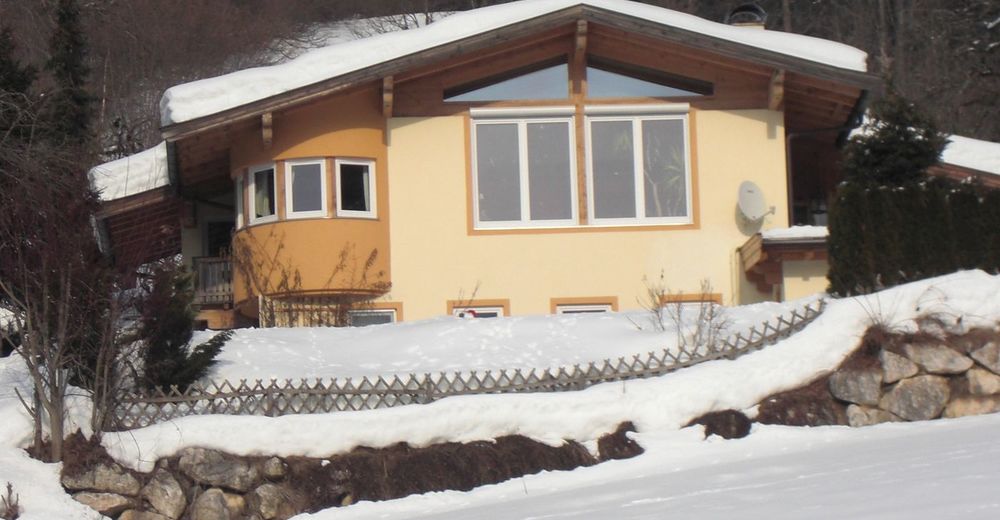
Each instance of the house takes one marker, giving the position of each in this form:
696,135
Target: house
531,157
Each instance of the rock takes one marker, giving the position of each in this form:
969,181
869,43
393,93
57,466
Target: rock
235,503
937,359
133,514
974,405
274,469
982,382
896,367
104,478
215,468
857,386
728,424
858,416
347,500
165,494
273,502
210,505
105,503
917,398
989,356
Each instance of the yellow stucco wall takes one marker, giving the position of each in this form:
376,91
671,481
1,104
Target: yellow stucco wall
803,277
435,258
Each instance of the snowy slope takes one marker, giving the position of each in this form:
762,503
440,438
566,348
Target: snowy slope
209,96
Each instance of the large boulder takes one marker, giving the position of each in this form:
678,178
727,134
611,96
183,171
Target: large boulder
106,478
858,416
857,386
973,405
982,381
274,469
918,398
108,504
273,502
210,505
989,356
896,367
165,494
214,468
937,359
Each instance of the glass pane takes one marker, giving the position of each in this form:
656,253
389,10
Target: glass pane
549,175
601,83
613,169
664,162
354,187
366,318
498,173
550,83
263,185
307,187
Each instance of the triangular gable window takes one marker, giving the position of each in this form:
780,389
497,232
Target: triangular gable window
546,83
608,79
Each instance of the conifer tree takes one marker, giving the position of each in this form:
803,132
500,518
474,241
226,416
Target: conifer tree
70,106
968,226
850,266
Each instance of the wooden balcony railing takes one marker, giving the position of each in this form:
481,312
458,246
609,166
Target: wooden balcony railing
213,281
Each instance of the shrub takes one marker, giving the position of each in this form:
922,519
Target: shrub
166,328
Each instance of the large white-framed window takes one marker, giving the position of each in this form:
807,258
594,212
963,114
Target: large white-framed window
523,167
239,201
638,165
263,194
305,188
356,191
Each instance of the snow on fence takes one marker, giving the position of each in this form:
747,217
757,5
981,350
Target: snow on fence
274,398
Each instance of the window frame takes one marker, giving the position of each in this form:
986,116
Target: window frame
290,213
372,213
240,194
636,114
500,311
252,185
522,117
353,312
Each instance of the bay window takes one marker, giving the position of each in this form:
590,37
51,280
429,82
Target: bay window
305,188
355,188
263,207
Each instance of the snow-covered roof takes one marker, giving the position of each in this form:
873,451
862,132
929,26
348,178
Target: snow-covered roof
795,233
131,175
213,95
971,153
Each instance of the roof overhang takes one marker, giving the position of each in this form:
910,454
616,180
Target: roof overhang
861,80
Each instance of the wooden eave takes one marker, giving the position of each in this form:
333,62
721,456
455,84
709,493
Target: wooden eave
961,173
139,200
565,17
762,259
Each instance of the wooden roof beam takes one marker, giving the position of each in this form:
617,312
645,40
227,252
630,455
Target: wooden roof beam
776,90
387,96
266,128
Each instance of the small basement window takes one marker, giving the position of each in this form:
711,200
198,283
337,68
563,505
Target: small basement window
305,188
478,312
366,317
263,206
592,308
356,188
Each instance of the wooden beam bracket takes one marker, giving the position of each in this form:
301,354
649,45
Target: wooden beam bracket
387,97
266,131
776,90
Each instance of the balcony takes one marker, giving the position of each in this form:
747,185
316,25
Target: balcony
213,281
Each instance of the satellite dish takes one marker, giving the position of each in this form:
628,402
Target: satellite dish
751,202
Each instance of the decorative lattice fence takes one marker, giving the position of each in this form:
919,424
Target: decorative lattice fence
274,398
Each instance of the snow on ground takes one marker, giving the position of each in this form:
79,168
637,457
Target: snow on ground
940,469
130,175
972,153
453,344
796,233
936,469
209,96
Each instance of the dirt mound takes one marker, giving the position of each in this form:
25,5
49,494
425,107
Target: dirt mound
728,424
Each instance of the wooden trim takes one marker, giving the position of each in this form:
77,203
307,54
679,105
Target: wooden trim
554,303
136,201
691,298
485,302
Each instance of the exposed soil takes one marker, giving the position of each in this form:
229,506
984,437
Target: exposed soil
728,424
617,445
810,405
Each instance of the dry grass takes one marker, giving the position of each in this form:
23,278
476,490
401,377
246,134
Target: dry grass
10,509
